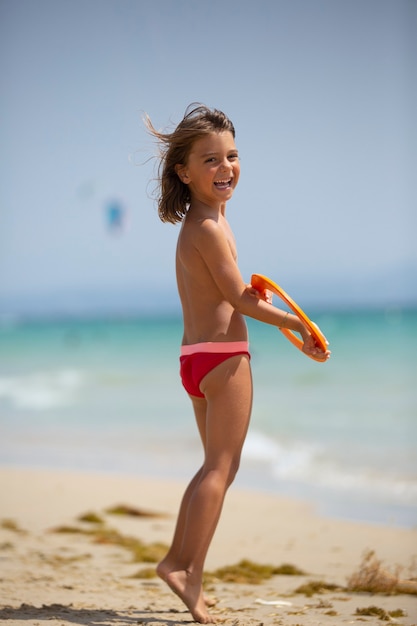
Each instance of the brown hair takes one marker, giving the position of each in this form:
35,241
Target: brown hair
198,121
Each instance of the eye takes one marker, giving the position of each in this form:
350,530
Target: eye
233,157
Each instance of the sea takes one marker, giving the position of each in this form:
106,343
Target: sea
104,395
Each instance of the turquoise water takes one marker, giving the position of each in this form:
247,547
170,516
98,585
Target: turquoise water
105,395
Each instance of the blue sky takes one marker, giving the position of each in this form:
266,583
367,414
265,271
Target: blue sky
323,97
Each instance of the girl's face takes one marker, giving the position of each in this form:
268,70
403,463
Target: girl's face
212,169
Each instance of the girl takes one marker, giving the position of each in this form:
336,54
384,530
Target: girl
199,170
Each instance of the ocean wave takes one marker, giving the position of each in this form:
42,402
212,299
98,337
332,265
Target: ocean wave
41,390
289,460
307,464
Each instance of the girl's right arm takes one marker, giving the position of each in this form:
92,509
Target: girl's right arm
213,246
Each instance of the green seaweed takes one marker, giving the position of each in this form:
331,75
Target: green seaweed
131,511
248,572
382,614
11,524
68,530
145,574
374,611
287,569
317,586
141,552
91,518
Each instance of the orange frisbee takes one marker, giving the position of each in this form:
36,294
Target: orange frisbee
260,283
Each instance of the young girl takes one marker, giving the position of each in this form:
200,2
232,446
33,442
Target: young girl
199,170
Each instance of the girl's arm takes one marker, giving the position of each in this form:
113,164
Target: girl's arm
211,242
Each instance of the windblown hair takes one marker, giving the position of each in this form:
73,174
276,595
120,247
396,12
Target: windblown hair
173,195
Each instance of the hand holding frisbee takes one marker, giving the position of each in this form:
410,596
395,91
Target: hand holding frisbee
262,283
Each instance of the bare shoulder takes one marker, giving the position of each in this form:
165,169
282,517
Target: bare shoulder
198,234
205,231
203,225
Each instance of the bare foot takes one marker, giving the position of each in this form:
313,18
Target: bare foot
189,591
164,568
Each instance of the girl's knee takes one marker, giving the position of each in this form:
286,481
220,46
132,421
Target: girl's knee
224,473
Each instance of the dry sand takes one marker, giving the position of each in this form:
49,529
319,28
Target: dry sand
65,579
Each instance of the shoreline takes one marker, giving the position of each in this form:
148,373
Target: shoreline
335,504
67,577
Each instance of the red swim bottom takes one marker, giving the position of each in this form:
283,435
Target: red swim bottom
198,359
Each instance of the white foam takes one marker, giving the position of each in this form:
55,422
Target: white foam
259,447
287,460
306,464
41,390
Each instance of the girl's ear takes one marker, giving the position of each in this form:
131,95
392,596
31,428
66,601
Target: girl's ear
182,173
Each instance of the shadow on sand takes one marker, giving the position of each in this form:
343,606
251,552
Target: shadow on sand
93,617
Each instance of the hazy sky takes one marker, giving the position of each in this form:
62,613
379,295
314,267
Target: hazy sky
323,97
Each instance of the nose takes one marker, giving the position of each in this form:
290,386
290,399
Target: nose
225,165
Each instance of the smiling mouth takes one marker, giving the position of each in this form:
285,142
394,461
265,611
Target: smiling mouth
223,184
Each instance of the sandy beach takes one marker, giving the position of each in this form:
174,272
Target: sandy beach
67,559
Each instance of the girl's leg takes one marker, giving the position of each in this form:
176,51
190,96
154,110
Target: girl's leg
223,426
171,558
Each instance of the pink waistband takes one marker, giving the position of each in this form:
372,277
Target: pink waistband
217,347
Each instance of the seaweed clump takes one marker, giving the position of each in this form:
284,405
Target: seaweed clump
373,578
382,614
11,524
141,552
130,511
317,586
145,574
91,518
247,572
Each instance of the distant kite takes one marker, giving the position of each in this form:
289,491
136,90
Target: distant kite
115,216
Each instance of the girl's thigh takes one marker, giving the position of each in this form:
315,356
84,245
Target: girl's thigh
228,392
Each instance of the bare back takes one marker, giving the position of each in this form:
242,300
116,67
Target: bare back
208,313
